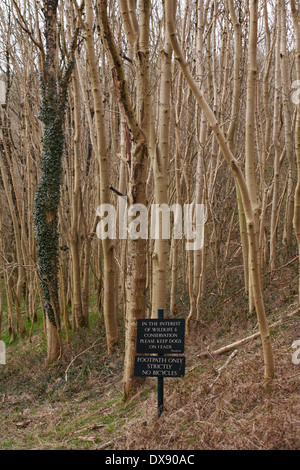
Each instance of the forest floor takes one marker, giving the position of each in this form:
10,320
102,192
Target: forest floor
78,403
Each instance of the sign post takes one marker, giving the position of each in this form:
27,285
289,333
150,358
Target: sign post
157,340
160,380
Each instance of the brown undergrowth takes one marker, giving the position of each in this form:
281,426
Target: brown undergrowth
230,409
78,403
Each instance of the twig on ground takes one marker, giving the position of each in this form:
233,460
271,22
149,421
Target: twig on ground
243,341
74,359
223,366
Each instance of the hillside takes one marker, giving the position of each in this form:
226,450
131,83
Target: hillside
207,409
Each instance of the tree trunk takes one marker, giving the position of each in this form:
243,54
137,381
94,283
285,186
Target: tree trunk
245,193
109,304
296,220
47,198
139,125
160,179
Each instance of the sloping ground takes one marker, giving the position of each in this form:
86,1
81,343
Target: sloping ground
231,409
207,409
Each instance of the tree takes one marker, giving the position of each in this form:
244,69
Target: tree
138,123
54,98
296,219
249,202
104,156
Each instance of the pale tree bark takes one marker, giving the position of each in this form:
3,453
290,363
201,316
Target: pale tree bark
139,126
199,255
29,188
2,266
74,232
276,142
160,178
296,220
285,89
245,193
265,125
250,144
175,243
7,174
109,304
8,187
231,133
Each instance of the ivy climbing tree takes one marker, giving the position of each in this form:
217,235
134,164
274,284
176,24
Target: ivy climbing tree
54,88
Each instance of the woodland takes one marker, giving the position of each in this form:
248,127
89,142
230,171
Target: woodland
173,103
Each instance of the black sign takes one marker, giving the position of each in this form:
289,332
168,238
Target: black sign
158,366
160,336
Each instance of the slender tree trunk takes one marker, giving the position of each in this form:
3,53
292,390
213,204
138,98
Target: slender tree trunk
109,304
74,234
231,133
202,130
139,125
160,178
296,220
82,321
276,135
250,144
288,136
245,193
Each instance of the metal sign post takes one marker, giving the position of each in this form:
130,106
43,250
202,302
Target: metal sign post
160,380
